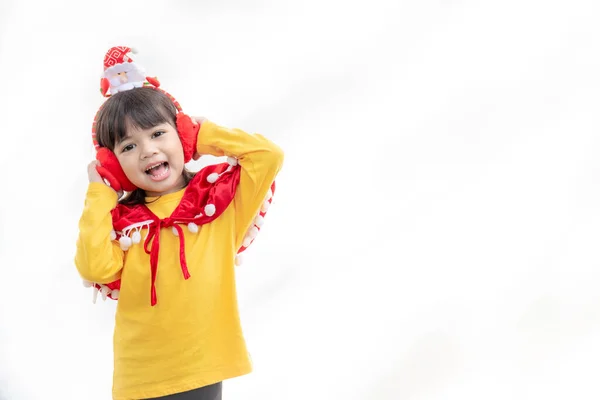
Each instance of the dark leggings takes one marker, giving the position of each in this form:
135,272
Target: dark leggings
210,392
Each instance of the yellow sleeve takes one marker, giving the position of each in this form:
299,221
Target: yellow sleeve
260,161
98,258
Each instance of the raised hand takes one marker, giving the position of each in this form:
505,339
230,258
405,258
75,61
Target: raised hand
94,176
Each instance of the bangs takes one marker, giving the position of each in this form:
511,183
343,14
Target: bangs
141,108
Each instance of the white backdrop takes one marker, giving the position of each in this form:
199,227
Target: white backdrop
435,230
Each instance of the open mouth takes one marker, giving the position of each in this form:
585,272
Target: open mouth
158,170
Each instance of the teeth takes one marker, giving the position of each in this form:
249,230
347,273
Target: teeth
154,166
164,173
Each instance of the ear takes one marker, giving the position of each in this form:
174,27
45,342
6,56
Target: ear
111,170
188,133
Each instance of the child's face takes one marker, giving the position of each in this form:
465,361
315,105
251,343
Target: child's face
152,159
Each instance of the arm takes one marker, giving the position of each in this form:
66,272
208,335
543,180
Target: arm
98,259
260,161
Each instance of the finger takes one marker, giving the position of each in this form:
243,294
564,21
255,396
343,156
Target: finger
93,174
92,167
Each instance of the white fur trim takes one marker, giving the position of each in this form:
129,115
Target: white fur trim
210,209
259,220
115,294
247,241
123,67
113,235
126,86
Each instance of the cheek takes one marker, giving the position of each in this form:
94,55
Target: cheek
129,165
176,162
176,150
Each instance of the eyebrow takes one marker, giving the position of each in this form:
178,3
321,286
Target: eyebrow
120,141
158,127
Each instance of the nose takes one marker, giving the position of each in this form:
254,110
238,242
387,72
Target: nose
123,77
148,150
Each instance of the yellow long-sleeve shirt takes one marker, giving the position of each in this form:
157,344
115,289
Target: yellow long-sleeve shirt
192,337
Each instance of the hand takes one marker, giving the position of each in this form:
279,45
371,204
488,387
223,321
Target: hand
197,120
94,176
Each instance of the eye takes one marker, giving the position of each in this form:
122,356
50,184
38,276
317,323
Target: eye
158,133
127,148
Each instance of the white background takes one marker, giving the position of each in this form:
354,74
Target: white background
435,230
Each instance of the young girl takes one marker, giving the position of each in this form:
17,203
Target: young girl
167,249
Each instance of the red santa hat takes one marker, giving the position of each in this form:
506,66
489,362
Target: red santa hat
117,57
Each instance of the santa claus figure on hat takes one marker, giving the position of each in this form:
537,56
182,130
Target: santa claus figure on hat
121,72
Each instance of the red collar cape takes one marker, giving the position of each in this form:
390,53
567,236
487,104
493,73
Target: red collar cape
206,197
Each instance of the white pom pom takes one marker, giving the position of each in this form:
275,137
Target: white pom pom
210,210
232,161
175,232
259,220
192,227
105,291
212,178
247,241
125,243
113,235
115,294
239,259
253,232
87,284
136,237
269,195
265,206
